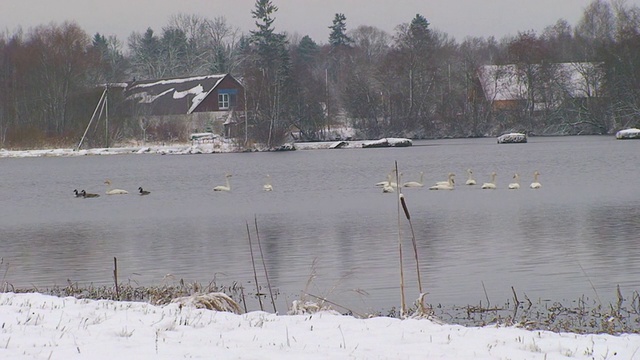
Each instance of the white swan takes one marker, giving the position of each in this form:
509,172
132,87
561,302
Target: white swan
450,180
389,181
111,191
387,188
143,192
222,187
419,183
470,180
444,185
267,186
516,182
535,184
491,184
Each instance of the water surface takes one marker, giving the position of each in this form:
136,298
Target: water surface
576,236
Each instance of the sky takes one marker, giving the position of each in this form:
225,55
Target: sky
458,18
36,326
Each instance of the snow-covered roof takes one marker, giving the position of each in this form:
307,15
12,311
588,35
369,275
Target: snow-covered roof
507,82
172,96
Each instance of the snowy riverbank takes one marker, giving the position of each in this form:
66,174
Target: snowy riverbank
47,327
199,148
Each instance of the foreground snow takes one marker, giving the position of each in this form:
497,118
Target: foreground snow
46,327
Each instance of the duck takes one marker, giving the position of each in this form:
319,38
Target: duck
444,185
470,179
419,183
268,186
491,184
78,194
516,182
143,192
535,184
111,191
223,187
88,195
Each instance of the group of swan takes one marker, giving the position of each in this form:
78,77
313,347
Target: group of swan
516,182
389,185
83,194
227,187
445,185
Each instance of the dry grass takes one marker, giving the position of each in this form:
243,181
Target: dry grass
212,301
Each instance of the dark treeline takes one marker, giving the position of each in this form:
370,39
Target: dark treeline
417,82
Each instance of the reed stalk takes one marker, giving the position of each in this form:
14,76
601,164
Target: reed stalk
413,240
253,263
115,277
264,266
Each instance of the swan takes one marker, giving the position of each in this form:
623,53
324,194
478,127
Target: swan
450,180
78,194
491,184
444,185
389,180
387,188
143,192
416,183
470,180
111,191
88,195
222,187
516,182
535,184
267,186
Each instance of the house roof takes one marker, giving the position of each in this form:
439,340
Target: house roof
506,82
172,96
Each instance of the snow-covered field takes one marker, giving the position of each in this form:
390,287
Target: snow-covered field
36,326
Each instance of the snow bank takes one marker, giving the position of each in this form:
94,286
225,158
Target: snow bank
631,133
387,142
512,138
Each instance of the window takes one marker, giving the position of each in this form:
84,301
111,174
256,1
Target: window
223,101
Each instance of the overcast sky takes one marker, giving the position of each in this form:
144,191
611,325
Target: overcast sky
458,18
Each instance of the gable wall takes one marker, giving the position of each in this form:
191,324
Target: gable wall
210,103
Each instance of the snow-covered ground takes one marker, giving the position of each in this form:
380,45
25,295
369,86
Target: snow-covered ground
36,326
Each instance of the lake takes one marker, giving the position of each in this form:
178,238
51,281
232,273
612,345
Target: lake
327,230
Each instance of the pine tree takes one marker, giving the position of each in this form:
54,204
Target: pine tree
270,55
338,36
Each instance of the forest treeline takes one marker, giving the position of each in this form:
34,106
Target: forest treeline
417,82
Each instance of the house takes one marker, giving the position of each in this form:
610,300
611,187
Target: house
212,103
507,87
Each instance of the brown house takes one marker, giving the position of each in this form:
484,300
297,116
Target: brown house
213,103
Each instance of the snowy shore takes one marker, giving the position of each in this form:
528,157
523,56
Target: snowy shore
36,326
199,148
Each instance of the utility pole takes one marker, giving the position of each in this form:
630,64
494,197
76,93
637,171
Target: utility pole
106,105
